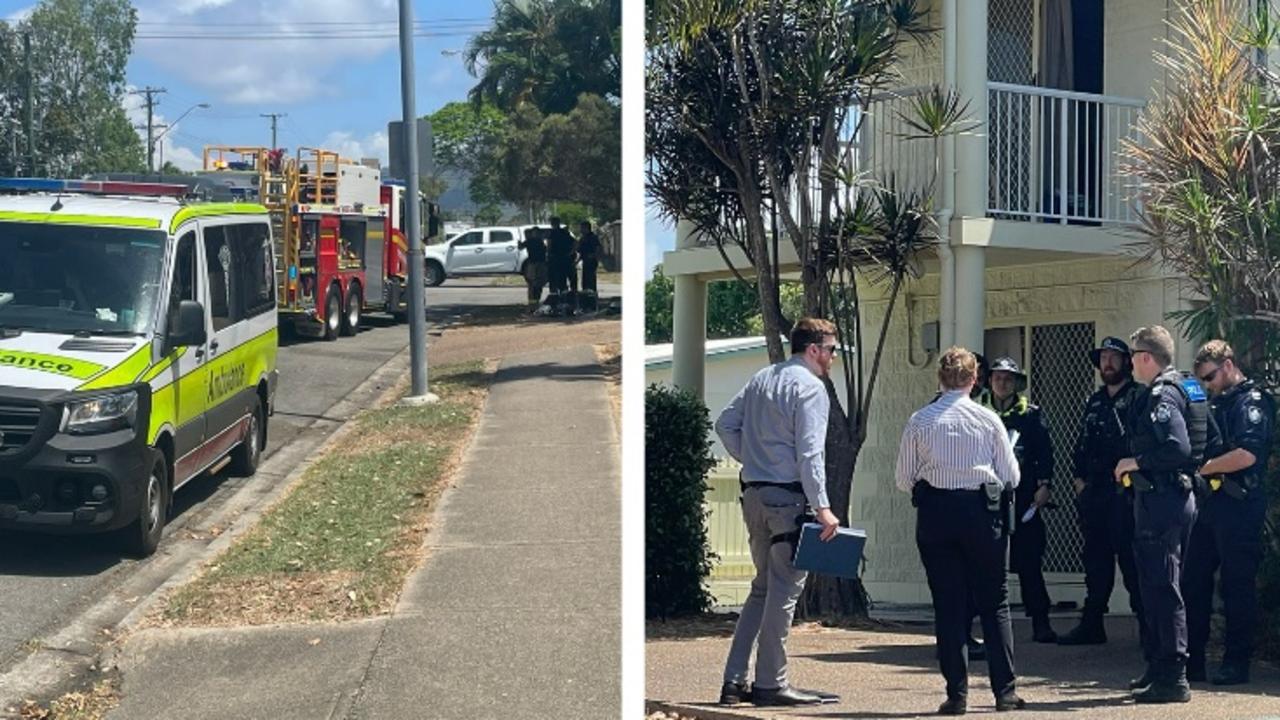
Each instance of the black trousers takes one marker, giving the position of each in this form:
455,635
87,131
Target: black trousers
1106,523
1226,538
1161,532
589,274
963,551
1026,558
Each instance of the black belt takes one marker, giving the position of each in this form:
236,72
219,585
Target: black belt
929,489
793,486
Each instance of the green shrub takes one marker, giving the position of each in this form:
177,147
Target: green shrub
677,451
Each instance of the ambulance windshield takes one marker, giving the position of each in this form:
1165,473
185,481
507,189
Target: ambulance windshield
74,278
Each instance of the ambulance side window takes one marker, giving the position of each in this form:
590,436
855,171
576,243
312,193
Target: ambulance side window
223,303
183,286
252,254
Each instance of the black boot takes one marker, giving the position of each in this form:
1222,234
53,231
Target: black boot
1169,684
1143,681
1041,630
1090,631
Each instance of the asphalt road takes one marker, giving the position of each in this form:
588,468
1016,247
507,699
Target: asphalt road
48,579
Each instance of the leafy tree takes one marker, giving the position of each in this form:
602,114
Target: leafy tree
547,53
659,304
466,139
747,106
79,52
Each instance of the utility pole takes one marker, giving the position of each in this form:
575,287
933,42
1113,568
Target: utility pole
30,119
413,221
150,92
275,117
160,163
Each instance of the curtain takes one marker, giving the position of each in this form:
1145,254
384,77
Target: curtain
1057,61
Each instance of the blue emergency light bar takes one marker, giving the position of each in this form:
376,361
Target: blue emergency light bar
96,187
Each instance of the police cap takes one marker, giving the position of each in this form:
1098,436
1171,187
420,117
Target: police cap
1007,364
1109,343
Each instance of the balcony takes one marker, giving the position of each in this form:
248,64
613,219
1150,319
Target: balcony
1052,154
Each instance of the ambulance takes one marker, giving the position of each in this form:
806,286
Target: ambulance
138,339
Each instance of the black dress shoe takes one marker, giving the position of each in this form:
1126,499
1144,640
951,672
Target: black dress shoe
1142,682
1010,701
782,696
953,706
823,696
1230,675
732,693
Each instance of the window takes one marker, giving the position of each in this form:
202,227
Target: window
500,236
475,237
251,255
183,286
222,280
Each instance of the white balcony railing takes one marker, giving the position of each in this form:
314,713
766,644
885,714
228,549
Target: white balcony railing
1054,155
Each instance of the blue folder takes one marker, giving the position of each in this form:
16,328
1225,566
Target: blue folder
840,556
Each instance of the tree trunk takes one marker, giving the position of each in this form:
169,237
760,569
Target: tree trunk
824,595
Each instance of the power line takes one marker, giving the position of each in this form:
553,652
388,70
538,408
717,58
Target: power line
343,35
387,23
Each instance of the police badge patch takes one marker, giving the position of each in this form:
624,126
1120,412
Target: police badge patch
1255,415
1162,414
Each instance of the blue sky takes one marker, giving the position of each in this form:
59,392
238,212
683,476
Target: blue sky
338,93
658,238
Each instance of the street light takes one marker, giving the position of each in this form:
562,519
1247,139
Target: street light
170,126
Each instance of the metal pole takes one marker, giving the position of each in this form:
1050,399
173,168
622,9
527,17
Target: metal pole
413,223
31,113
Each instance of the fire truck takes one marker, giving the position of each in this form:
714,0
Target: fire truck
339,250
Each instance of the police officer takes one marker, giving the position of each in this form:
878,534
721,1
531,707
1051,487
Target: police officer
1228,532
560,260
1106,516
1031,445
1168,433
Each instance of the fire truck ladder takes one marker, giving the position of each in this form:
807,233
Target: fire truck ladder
317,176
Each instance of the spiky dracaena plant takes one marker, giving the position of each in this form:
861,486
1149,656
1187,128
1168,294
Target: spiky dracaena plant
1207,165
748,111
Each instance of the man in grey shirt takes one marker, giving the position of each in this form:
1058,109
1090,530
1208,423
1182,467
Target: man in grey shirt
777,428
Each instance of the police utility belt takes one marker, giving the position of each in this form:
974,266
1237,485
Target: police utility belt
997,496
1140,482
792,538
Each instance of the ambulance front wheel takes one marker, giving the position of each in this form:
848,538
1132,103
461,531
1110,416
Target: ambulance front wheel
247,455
333,313
142,537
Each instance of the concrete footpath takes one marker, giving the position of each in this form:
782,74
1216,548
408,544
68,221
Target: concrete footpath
892,673
514,613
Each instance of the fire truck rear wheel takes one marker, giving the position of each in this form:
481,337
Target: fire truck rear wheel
351,320
333,313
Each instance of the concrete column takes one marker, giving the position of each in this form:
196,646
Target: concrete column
970,289
971,82
689,334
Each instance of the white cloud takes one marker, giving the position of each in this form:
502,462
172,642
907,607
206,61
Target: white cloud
21,14
348,146
259,71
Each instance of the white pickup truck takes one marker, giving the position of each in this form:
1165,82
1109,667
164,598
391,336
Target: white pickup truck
480,251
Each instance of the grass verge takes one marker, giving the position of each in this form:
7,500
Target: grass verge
340,545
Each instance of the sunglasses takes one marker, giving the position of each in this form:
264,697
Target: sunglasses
1209,378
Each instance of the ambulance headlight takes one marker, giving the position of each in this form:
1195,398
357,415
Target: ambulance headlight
101,414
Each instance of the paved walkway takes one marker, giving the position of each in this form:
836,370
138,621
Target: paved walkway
515,613
893,673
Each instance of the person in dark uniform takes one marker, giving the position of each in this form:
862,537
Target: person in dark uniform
956,461
1227,536
1168,434
1106,516
560,260
589,251
1031,445
535,267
